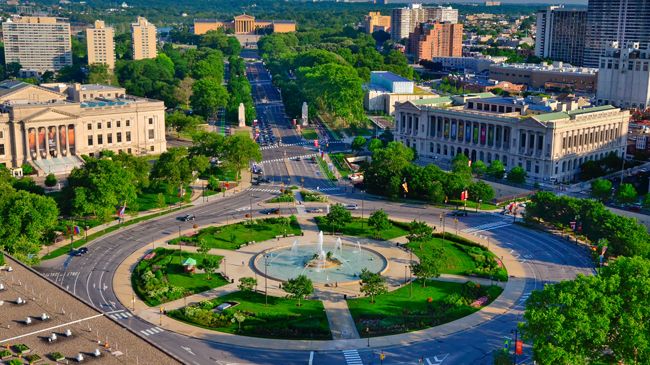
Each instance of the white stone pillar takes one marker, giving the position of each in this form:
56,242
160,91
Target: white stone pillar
47,143
38,144
67,141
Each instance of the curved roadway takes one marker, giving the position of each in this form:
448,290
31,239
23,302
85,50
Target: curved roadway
546,258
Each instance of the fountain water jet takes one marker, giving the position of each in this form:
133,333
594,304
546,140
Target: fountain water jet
294,247
339,245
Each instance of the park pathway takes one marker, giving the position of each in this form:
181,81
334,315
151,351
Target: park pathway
338,315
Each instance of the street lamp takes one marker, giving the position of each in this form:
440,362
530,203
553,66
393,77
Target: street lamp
266,280
480,202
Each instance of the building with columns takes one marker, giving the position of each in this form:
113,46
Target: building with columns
51,125
550,145
244,24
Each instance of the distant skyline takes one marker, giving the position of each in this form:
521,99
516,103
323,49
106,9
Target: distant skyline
523,2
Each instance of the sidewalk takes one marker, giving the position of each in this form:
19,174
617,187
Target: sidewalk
195,201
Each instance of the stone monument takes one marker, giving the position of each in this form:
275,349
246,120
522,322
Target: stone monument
241,115
305,114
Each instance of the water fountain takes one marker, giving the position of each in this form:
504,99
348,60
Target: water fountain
322,262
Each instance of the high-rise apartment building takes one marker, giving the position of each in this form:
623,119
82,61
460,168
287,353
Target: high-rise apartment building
622,21
561,34
436,39
624,76
374,21
143,36
404,20
101,47
39,44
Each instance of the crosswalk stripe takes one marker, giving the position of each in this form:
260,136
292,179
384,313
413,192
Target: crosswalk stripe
486,227
352,357
262,190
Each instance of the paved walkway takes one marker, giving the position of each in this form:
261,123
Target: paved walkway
344,331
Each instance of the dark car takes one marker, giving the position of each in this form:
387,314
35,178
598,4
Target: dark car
264,180
80,251
188,217
270,211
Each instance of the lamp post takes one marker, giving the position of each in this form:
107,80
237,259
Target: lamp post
480,202
411,273
515,351
266,280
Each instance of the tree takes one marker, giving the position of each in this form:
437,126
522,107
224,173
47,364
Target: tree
460,164
479,168
247,284
358,143
429,265
561,324
626,194
384,176
239,151
50,180
210,265
419,231
208,96
298,287
496,169
99,73
380,36
375,144
172,168
517,175
238,317
601,189
480,190
338,216
372,284
379,221
160,201
25,221
204,248
12,69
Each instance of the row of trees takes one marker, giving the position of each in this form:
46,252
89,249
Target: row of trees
624,235
392,166
240,91
328,67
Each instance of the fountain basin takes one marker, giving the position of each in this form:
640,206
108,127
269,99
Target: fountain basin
291,261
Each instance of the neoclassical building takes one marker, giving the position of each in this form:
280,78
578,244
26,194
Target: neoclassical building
51,125
549,140
244,24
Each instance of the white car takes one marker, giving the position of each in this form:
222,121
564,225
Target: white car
351,206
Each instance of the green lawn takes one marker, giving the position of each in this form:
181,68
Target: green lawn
286,197
359,227
232,236
310,196
309,133
339,163
325,169
82,241
472,205
282,318
399,312
148,198
462,257
170,274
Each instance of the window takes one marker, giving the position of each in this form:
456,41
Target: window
128,137
536,169
2,134
90,126
118,123
128,123
99,125
128,151
151,148
100,139
150,121
118,136
151,134
108,124
2,149
90,140
109,138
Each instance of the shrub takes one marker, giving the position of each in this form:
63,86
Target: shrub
50,180
27,169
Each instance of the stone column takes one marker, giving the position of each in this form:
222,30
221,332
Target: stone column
38,144
67,141
57,139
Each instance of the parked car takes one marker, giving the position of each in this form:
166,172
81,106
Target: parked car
458,213
80,251
351,206
269,211
314,210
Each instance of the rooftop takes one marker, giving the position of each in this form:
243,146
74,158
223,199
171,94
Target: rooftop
43,317
390,76
558,67
94,87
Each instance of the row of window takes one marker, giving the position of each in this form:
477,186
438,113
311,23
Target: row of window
109,138
589,138
631,65
118,124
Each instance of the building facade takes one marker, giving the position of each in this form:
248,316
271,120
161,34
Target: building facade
374,21
244,24
51,125
143,38
561,34
477,64
622,21
624,77
404,20
387,89
39,44
541,76
430,40
551,147
101,46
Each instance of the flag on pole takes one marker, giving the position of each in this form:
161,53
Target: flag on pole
76,230
405,186
464,195
120,212
602,253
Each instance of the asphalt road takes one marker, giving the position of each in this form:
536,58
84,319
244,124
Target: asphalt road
546,259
